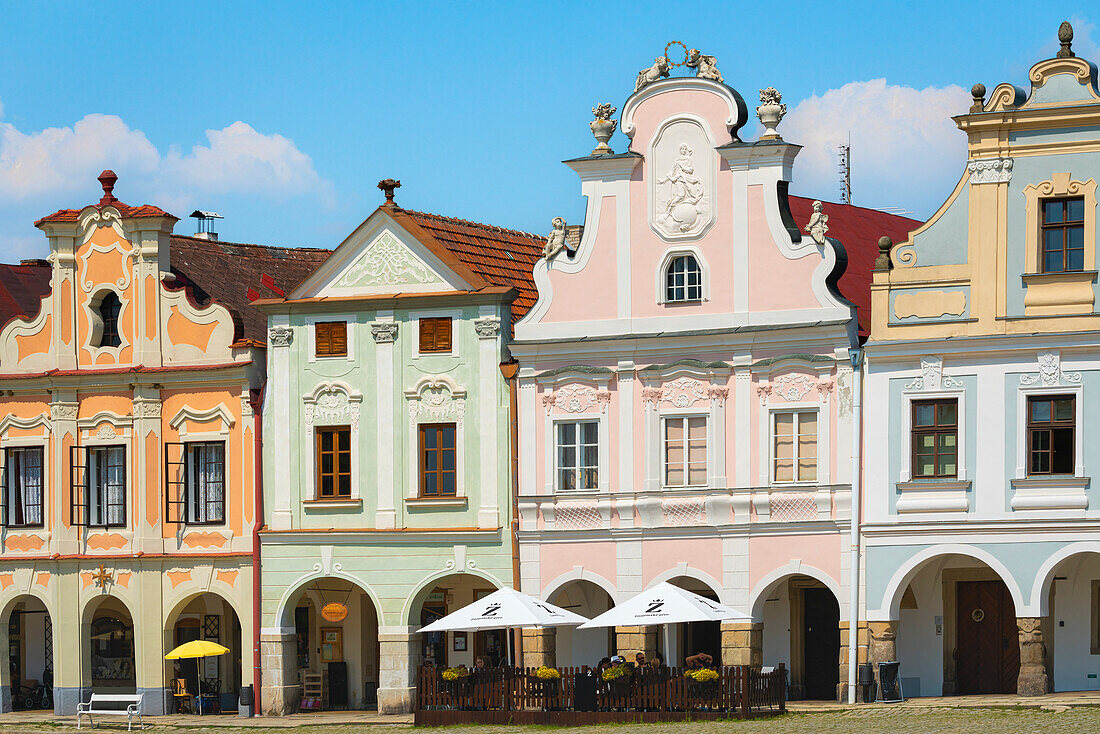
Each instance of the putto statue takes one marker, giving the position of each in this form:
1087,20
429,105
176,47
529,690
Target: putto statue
818,224
555,241
706,67
648,76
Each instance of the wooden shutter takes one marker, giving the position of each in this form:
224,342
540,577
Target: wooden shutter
435,334
331,338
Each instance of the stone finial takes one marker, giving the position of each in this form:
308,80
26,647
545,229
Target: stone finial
388,186
978,93
882,262
770,111
107,180
1065,37
603,127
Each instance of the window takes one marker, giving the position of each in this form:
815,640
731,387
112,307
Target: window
331,338
205,476
334,463
794,447
577,450
22,487
686,452
1051,426
683,280
1063,235
98,486
435,334
109,308
437,460
936,439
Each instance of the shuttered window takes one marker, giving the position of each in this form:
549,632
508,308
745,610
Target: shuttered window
435,334
332,338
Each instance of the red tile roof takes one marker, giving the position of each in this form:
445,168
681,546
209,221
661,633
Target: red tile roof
858,229
127,212
226,272
503,257
22,288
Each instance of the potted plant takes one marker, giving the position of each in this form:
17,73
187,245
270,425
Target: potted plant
545,681
702,682
618,678
454,679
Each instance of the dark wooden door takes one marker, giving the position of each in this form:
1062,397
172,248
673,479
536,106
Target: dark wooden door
987,651
820,644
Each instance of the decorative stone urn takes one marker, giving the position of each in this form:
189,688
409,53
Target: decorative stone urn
770,111
603,127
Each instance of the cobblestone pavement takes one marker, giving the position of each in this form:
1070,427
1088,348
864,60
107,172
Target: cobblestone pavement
865,720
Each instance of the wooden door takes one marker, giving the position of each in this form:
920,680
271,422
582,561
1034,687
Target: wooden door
820,644
987,651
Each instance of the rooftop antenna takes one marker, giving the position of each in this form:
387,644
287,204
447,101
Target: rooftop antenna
205,224
844,168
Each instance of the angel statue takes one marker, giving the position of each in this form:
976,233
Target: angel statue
555,241
817,226
649,75
706,67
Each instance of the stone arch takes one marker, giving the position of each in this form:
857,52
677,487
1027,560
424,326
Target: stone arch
763,587
1044,577
87,617
284,611
890,604
692,573
429,582
23,664
579,574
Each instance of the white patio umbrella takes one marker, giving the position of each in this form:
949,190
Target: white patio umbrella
664,604
504,609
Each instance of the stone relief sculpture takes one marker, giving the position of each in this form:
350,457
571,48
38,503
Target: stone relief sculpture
685,193
659,69
706,67
818,224
555,241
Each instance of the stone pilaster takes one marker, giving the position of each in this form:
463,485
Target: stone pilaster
743,643
1033,679
280,692
540,647
861,657
398,656
630,641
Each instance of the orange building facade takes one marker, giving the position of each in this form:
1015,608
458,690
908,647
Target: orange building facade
127,437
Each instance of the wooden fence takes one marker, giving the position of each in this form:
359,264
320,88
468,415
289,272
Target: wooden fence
517,695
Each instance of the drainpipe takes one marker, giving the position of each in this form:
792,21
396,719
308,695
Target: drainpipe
258,510
857,469
508,370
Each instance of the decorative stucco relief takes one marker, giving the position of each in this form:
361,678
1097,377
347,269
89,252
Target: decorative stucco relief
488,327
682,182
280,336
929,304
683,392
384,332
387,262
1050,372
332,403
64,411
990,170
436,399
931,377
575,399
794,387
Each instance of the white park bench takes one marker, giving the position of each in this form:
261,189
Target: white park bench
106,704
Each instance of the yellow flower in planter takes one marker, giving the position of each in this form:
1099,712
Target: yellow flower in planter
545,672
615,672
702,675
453,674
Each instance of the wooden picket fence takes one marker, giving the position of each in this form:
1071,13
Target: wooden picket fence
517,695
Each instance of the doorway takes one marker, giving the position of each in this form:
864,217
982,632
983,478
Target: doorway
987,649
821,643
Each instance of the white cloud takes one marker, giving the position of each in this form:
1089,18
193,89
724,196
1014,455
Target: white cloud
41,171
906,150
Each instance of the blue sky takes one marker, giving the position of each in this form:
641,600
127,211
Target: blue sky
283,116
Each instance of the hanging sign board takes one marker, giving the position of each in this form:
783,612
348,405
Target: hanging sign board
334,612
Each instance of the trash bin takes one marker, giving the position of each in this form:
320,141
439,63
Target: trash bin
889,682
866,682
246,702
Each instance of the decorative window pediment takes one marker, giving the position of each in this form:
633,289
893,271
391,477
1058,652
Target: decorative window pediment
332,403
436,399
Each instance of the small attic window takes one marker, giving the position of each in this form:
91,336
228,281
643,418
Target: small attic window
683,280
109,308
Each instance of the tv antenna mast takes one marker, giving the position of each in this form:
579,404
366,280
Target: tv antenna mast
844,168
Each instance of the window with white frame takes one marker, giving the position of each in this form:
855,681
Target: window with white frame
98,486
22,487
685,451
205,482
683,280
577,452
794,446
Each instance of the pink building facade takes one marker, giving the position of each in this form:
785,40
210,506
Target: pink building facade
685,397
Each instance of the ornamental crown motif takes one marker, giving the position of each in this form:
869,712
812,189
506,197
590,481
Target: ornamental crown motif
280,336
794,387
387,262
384,332
932,378
1050,372
436,399
683,392
332,404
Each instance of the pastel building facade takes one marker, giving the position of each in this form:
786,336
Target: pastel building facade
127,441
983,391
685,395
387,463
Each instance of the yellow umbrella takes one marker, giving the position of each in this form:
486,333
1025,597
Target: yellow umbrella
197,649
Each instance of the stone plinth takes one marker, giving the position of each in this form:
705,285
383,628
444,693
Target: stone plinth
1033,679
540,647
398,656
743,643
280,692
